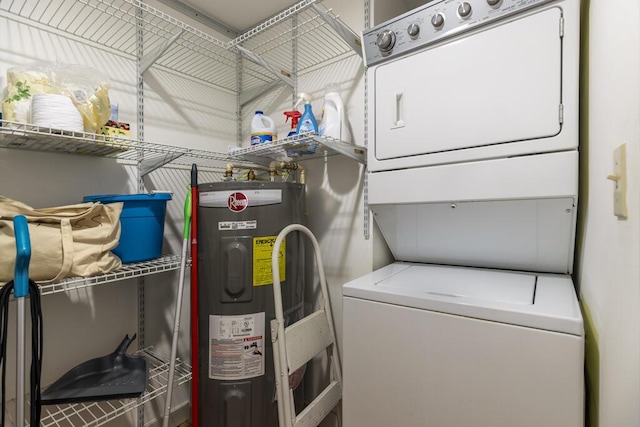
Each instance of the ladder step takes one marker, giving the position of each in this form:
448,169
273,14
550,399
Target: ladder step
306,338
321,406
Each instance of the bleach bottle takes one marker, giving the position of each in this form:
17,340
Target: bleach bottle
263,129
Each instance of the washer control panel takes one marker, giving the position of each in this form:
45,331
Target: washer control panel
433,22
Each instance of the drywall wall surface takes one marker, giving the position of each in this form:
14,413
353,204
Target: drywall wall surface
608,254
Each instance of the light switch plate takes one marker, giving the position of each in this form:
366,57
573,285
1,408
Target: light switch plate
620,178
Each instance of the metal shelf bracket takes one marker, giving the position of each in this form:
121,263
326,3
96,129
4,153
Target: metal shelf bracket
149,165
285,76
148,60
354,152
349,37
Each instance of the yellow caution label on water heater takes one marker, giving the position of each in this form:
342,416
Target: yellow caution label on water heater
262,249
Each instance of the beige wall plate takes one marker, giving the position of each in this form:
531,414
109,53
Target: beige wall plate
619,176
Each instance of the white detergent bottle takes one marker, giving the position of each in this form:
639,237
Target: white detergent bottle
263,129
334,118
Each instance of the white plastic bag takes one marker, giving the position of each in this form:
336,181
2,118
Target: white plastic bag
87,88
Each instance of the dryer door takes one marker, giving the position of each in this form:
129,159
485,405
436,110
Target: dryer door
494,86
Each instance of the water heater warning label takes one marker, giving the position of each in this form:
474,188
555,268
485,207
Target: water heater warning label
236,346
262,249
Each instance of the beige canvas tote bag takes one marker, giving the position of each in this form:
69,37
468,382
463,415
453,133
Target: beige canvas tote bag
66,241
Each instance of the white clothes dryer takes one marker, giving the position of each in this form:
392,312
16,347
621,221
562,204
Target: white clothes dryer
500,81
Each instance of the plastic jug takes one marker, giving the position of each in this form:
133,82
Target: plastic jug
263,129
334,119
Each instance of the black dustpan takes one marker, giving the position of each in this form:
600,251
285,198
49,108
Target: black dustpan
114,376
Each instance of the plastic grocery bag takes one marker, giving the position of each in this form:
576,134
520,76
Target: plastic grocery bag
87,88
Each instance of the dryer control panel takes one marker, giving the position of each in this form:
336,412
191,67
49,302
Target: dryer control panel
434,22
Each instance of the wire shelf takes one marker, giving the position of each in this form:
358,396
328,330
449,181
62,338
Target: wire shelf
128,271
302,147
112,25
25,136
94,414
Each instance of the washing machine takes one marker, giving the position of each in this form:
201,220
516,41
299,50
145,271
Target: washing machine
434,345
473,182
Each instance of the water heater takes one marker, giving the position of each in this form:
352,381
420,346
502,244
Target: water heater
238,224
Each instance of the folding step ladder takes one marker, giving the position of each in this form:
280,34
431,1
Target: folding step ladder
297,344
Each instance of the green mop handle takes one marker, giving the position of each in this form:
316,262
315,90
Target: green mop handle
176,322
187,215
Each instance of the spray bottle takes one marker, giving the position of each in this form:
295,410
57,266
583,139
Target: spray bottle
302,123
307,121
294,115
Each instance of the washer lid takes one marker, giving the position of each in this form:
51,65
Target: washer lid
541,301
465,285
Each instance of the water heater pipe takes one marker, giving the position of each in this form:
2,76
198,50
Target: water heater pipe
289,166
228,171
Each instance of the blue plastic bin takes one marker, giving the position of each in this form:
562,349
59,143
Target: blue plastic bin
142,224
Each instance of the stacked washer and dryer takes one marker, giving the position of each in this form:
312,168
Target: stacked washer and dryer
473,161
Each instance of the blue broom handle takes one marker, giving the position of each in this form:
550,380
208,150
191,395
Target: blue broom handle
20,291
23,256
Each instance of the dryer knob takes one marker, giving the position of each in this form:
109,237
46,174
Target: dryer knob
437,20
464,10
413,30
386,40
493,2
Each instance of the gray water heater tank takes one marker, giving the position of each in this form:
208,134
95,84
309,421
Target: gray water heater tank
238,223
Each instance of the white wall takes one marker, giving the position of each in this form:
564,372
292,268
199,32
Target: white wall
609,251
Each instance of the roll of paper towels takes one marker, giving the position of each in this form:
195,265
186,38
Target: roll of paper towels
55,112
